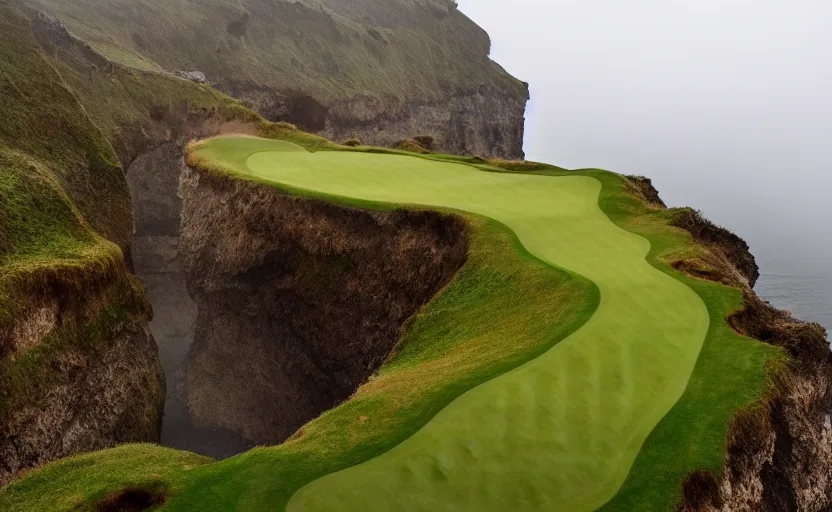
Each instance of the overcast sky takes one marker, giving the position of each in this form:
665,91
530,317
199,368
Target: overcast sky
726,104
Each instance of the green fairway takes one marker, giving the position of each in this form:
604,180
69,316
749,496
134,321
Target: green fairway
561,431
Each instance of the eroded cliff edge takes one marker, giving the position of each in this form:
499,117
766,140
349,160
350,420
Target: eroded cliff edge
300,300
82,350
778,455
78,368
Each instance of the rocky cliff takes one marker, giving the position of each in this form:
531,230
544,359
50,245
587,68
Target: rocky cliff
379,71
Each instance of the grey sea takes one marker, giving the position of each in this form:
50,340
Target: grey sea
807,297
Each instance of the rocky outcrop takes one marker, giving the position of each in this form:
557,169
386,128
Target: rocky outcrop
485,122
381,71
726,245
300,300
728,258
642,187
193,76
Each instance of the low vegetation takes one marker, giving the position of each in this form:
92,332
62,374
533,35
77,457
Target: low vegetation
426,141
410,145
517,165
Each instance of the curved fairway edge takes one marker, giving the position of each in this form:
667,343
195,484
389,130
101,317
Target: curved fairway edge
578,414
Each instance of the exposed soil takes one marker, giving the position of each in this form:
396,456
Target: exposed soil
95,397
300,300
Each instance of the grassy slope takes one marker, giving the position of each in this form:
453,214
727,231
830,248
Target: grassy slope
42,119
499,293
370,47
63,196
728,375
56,167
59,181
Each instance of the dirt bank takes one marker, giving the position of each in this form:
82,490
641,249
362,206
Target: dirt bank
300,301
97,382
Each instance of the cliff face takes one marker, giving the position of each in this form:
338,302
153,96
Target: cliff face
101,390
484,122
300,301
381,71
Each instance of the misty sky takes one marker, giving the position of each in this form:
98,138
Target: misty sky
726,104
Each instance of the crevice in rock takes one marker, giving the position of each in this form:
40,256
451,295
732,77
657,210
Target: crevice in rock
153,178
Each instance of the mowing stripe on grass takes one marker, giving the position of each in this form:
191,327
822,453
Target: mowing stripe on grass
561,431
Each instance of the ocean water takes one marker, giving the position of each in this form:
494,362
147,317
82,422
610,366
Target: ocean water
807,297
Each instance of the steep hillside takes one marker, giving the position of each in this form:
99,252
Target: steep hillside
78,368
382,71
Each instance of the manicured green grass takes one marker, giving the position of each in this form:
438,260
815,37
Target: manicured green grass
729,373
456,343
564,429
